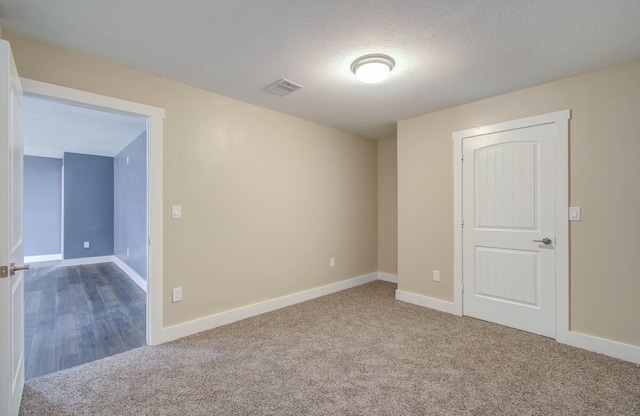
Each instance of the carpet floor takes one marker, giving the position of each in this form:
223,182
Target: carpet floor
356,352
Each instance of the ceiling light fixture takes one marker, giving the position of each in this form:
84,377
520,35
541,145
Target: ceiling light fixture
372,68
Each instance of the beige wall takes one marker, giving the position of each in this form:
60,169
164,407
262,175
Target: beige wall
604,175
388,206
266,198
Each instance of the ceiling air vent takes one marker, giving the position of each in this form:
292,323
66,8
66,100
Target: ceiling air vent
284,87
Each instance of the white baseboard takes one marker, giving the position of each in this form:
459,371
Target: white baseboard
137,279
227,317
604,346
87,260
427,302
388,277
46,257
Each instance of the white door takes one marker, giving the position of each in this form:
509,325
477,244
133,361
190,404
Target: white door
11,251
509,229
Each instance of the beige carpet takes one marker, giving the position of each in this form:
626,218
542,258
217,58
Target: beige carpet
357,352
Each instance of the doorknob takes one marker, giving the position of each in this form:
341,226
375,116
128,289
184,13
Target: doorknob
545,241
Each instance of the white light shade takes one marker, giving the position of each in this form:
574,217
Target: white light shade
372,68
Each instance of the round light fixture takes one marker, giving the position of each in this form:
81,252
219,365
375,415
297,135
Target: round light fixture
372,68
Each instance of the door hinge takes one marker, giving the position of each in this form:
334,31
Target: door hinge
4,271
463,223
149,241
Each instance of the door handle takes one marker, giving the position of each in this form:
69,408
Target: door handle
546,241
13,268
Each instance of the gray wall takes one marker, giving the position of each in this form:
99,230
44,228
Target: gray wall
42,206
130,205
88,205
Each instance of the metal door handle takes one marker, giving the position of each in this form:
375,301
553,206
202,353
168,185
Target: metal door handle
13,268
545,241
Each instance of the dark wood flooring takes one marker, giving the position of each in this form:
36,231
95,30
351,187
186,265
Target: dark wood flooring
78,314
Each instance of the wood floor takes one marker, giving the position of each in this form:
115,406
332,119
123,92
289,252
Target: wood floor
78,314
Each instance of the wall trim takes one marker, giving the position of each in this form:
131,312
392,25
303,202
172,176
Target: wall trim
599,345
388,277
427,302
133,275
87,260
244,312
44,257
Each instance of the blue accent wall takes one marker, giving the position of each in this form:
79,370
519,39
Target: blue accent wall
130,202
88,205
42,206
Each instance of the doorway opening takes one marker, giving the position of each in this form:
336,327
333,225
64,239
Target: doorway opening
85,219
104,262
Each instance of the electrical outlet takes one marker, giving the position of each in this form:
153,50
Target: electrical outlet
436,275
176,294
86,244
332,262
127,251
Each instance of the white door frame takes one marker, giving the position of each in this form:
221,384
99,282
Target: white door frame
561,171
155,121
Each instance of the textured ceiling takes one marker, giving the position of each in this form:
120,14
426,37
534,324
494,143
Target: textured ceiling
447,52
52,128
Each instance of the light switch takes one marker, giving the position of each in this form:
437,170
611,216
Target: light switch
176,212
574,213
86,244
176,294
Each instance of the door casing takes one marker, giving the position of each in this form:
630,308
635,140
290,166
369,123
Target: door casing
560,119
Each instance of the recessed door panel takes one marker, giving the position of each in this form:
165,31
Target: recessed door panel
506,186
507,275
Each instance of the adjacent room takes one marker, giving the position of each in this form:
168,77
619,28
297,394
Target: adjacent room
369,208
85,234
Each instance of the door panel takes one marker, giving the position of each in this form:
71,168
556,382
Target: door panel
508,275
11,227
508,202
505,186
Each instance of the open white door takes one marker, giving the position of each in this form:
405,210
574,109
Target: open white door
11,244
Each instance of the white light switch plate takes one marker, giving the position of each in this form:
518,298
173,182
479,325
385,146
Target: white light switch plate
86,244
176,212
332,262
574,213
176,294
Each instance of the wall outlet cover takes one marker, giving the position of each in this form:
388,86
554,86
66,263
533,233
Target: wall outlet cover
86,244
